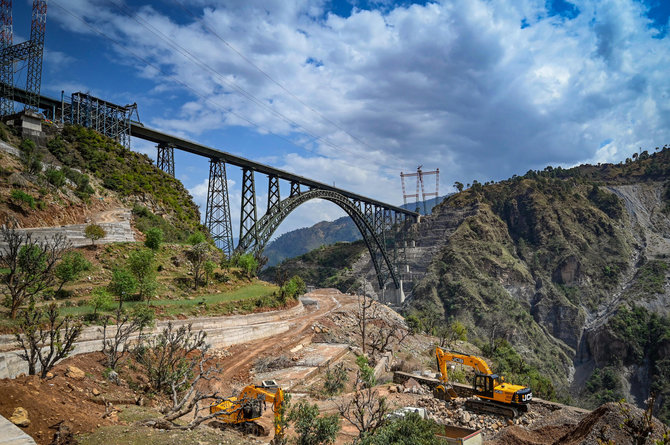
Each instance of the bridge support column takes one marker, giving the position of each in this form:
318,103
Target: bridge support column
249,213
217,216
165,159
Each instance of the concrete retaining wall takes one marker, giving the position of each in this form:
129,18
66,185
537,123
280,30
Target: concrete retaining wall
11,434
221,332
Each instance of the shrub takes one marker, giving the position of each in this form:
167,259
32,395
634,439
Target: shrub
31,156
20,197
154,238
197,238
55,177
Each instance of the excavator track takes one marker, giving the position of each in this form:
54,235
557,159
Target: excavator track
486,407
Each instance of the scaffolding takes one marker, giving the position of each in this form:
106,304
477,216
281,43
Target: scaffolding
104,117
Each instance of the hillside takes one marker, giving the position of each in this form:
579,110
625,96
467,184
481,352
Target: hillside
79,173
569,267
297,242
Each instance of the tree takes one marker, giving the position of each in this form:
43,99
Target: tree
366,409
94,232
72,264
29,265
312,429
164,356
122,284
197,255
209,267
292,288
364,308
409,429
196,238
40,329
154,238
141,265
248,264
336,378
459,186
101,300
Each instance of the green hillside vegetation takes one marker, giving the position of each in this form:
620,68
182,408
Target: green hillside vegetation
322,267
128,174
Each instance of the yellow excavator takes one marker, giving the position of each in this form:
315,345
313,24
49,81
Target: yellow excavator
495,395
243,411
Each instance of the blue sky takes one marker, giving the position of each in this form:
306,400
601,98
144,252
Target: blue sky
353,92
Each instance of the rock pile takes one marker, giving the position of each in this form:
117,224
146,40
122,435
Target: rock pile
455,413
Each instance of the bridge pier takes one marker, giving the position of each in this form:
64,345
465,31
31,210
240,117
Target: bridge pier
165,158
217,216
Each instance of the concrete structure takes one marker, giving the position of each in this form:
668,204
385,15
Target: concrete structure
221,332
11,434
117,232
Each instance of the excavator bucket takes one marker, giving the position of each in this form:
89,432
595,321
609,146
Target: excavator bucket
444,392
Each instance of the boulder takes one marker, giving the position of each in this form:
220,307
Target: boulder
75,373
20,417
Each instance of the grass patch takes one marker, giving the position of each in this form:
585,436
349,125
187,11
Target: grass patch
217,303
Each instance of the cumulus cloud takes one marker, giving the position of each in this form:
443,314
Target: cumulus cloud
480,89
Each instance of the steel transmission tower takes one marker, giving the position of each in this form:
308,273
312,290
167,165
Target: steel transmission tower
30,51
419,183
37,28
7,67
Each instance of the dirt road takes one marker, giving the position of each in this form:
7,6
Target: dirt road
241,358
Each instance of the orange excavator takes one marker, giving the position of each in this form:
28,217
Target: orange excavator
243,411
495,396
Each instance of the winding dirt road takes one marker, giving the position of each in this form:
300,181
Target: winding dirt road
238,364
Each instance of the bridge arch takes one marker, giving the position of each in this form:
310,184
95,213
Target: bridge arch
256,239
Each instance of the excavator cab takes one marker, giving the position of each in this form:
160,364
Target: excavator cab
485,384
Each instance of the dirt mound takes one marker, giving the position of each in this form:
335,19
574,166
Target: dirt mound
609,423
72,401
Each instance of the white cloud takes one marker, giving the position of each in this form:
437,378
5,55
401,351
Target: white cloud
457,85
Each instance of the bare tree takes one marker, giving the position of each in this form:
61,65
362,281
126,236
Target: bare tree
177,364
366,410
57,336
197,255
187,393
114,347
384,335
30,264
166,356
363,314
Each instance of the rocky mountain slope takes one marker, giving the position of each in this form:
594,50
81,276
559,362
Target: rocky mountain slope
75,173
568,266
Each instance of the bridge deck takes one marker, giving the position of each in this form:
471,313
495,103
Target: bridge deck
140,131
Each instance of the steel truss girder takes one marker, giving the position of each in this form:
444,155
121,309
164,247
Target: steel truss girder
249,213
165,159
267,225
217,215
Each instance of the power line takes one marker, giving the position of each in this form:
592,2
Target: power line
270,78
199,94
249,96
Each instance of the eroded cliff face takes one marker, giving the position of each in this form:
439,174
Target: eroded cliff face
547,267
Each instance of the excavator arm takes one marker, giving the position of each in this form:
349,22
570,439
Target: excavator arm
443,357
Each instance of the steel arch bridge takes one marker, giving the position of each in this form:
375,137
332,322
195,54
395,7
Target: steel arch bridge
380,224
379,228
